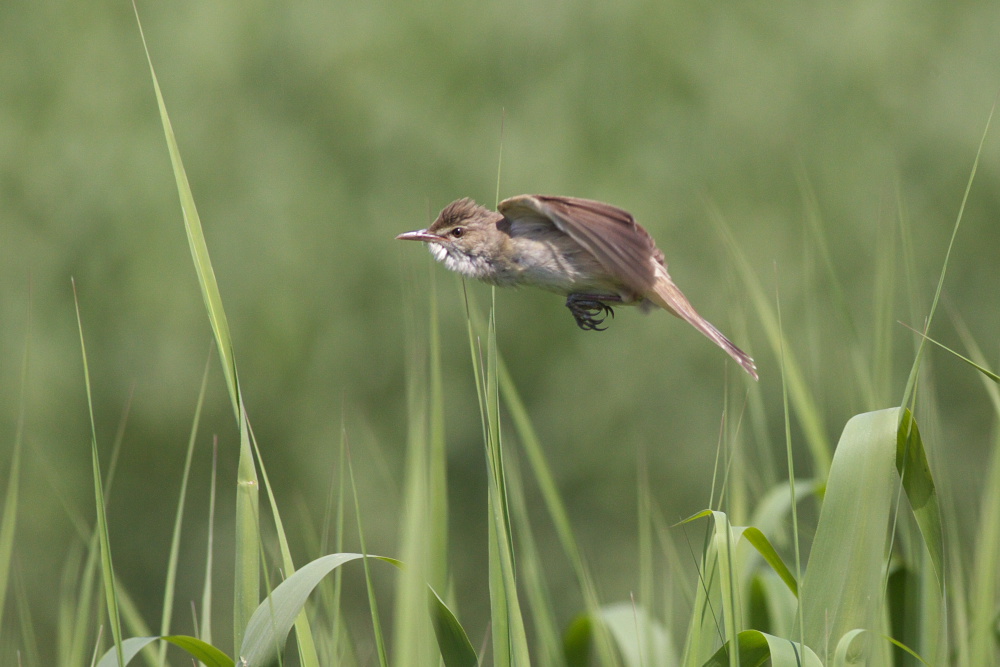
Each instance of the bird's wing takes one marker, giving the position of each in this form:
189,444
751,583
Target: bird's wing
610,234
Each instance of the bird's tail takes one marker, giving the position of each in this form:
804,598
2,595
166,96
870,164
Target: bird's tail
669,297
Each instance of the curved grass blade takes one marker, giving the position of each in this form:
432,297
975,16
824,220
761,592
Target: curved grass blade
912,380
272,621
763,546
755,648
203,652
982,369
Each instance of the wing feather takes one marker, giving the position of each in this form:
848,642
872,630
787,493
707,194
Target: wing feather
609,233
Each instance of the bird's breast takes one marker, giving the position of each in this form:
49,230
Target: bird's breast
558,264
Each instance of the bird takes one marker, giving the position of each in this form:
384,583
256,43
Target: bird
593,253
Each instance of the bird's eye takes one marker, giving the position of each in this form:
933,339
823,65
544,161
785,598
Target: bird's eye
457,232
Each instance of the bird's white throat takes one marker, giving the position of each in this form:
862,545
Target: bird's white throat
470,266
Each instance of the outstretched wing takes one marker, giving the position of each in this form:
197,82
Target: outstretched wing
610,234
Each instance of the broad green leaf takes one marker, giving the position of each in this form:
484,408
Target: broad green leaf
842,588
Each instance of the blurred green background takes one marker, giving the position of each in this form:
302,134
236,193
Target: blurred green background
314,132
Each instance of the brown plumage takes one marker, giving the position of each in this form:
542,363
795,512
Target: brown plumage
592,252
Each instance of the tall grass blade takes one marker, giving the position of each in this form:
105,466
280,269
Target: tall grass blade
510,646
175,541
110,594
412,636
205,631
196,240
303,632
247,568
912,380
545,480
372,603
437,466
807,411
246,571
546,634
984,633
8,520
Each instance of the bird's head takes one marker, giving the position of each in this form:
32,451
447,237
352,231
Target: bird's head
466,237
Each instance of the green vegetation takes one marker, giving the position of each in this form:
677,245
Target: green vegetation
398,523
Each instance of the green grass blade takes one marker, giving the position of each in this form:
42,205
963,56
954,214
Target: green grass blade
247,568
372,603
510,646
755,537
979,367
196,241
437,466
912,380
984,633
110,594
29,634
203,652
420,532
545,480
303,632
913,468
273,619
8,520
807,411
175,540
205,631
545,630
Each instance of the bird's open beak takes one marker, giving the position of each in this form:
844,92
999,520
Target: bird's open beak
419,235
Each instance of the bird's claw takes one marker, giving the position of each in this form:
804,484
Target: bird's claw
590,314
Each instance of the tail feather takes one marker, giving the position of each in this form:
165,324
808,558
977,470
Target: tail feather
669,297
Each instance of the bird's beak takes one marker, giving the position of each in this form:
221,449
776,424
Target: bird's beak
419,235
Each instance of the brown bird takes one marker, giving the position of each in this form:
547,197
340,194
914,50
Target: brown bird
594,253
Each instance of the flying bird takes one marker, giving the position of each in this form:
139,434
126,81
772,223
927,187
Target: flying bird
594,253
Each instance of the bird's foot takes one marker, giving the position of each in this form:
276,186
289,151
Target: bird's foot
589,311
